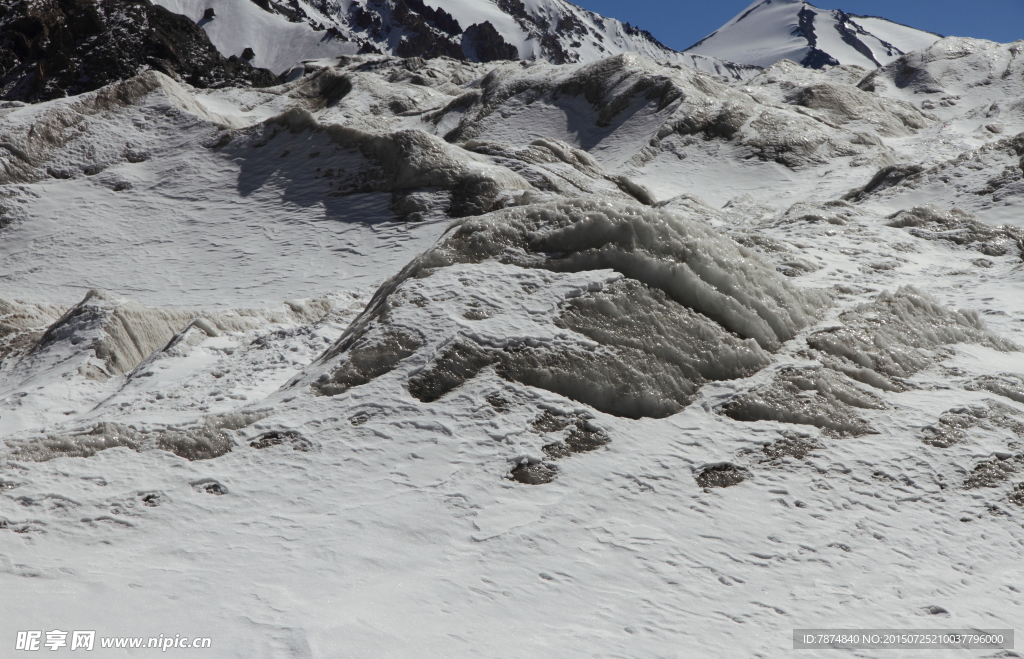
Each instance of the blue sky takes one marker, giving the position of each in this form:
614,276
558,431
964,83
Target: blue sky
681,23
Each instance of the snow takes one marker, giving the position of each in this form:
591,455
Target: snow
904,37
770,31
764,33
278,44
631,279
472,12
281,45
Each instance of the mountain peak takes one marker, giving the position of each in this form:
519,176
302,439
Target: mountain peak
771,30
281,33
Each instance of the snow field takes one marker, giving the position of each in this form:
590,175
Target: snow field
348,475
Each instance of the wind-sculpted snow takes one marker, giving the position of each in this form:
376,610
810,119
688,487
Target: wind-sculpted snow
956,76
53,140
636,347
594,106
397,162
986,181
835,99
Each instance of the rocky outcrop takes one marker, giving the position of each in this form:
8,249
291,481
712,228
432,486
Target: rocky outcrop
55,48
482,43
413,28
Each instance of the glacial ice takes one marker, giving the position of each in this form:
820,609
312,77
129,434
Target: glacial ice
566,303
23,323
121,333
952,426
894,337
209,439
688,260
375,353
814,396
960,228
48,140
637,347
882,344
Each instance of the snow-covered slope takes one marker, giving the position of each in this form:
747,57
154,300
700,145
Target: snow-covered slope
410,357
771,30
283,34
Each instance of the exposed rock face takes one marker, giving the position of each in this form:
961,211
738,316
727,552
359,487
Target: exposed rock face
422,31
483,43
552,30
57,48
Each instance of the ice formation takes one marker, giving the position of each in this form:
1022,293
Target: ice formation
894,337
952,426
881,344
22,324
211,438
694,307
812,396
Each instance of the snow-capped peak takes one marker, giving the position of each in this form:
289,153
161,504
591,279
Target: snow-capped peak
771,30
280,33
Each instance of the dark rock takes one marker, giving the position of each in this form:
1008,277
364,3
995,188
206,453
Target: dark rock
290,10
721,475
278,437
55,48
815,58
424,36
791,445
990,473
368,49
1017,496
534,474
151,499
440,19
210,487
209,14
248,54
482,43
426,32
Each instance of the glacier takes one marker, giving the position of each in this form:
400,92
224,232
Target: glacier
615,356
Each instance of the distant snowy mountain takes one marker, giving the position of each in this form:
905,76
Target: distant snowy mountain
282,33
772,30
